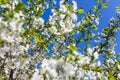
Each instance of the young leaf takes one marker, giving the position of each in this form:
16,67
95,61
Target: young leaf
40,40
72,47
111,77
94,27
118,9
104,5
80,11
69,56
78,58
98,1
3,1
19,6
1,77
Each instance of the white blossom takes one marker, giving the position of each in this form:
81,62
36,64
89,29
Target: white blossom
39,21
96,55
119,67
90,51
97,21
62,8
118,75
74,17
36,76
69,69
62,16
74,5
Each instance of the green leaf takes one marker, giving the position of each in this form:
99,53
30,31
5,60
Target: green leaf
111,77
1,41
24,56
80,11
10,14
46,48
3,1
19,6
94,27
69,56
78,58
1,77
99,69
95,8
71,8
40,40
104,5
98,1
72,47
105,30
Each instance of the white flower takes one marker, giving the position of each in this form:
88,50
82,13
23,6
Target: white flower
52,20
7,37
99,63
39,20
90,50
36,76
18,15
62,16
5,49
52,62
80,73
6,6
50,67
97,21
119,67
53,12
69,69
2,23
17,64
74,5
76,52
15,25
86,78
93,16
84,60
92,75
44,64
112,19
60,61
118,75
62,8
74,17
62,24
49,64
66,30
99,74
54,30
96,55
118,9
93,78
2,54
62,1
87,60
110,61
52,72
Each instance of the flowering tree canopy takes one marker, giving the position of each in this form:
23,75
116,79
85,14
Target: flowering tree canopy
32,48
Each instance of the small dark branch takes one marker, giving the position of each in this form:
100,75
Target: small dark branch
11,74
2,66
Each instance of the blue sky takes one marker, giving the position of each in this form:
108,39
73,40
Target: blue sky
107,14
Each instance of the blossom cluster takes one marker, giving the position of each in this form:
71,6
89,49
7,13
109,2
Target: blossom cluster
32,48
